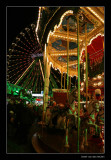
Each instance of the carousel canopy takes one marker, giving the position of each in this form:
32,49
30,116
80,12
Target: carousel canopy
64,29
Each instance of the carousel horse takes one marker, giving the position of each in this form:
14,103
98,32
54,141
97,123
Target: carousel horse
56,116
93,113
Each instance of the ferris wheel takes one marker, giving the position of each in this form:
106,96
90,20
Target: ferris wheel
23,59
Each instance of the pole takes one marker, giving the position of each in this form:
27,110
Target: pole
64,79
86,136
78,80
66,141
86,64
67,56
61,79
70,82
45,67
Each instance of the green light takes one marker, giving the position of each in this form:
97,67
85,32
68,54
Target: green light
66,139
67,57
78,81
86,135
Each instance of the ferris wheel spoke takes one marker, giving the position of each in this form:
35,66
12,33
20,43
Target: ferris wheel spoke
29,75
21,54
18,40
30,36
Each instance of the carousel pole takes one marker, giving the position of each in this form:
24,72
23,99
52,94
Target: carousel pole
86,65
47,75
45,70
67,56
78,81
46,85
66,138
64,79
70,81
61,78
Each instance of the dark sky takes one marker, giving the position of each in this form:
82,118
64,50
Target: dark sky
18,18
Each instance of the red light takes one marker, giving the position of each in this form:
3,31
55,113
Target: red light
38,99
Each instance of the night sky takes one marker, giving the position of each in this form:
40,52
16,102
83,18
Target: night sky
17,19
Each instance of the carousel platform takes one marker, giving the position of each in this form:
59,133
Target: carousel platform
52,140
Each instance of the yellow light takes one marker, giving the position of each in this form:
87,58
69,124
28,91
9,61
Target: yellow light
99,77
99,83
84,65
47,59
64,37
25,71
96,14
61,19
51,64
43,8
56,27
84,77
41,69
81,52
36,30
95,84
95,37
38,19
58,54
99,34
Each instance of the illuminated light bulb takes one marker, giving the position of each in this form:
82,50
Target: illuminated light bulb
99,83
18,39
98,77
96,14
32,25
61,19
99,34
95,84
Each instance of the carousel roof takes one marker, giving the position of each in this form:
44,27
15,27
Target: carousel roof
58,36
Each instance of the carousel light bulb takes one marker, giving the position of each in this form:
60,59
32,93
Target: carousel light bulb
95,84
96,14
99,77
99,83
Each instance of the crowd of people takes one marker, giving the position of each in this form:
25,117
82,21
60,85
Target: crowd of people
20,118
